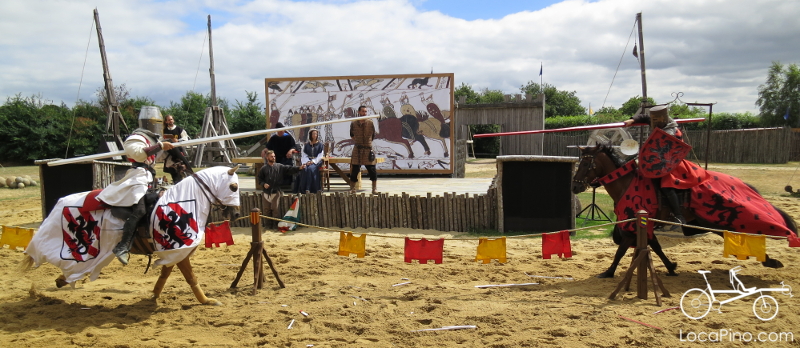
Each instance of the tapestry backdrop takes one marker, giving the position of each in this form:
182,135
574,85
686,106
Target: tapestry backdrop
413,131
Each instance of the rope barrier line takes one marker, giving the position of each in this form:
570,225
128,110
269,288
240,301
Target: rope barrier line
509,237
398,237
715,230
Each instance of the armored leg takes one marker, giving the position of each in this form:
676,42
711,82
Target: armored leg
674,204
122,250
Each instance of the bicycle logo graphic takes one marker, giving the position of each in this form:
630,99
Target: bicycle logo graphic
697,303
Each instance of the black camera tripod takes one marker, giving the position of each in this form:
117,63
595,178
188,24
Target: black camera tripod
594,212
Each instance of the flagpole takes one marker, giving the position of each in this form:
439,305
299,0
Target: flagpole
641,58
541,66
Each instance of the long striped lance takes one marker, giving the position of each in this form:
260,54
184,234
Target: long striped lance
579,128
209,140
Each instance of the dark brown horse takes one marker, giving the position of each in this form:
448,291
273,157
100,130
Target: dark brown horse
599,161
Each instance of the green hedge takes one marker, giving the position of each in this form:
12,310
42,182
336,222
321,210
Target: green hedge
719,121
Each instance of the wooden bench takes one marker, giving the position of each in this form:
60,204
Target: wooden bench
330,162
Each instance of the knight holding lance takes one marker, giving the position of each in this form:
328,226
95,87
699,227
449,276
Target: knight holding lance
661,158
127,195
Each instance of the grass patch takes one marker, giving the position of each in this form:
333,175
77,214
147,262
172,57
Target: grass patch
602,200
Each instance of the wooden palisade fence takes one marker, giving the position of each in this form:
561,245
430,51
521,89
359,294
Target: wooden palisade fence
449,212
759,145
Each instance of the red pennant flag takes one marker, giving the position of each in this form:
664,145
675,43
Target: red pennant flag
794,242
556,244
217,234
424,250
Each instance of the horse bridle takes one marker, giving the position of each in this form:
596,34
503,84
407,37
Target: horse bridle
216,202
592,165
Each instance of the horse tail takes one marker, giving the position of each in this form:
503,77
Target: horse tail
790,223
26,264
788,220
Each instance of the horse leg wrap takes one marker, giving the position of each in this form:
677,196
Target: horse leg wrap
162,279
186,269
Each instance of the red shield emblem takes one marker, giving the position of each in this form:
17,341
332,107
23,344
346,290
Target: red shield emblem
661,153
174,225
81,233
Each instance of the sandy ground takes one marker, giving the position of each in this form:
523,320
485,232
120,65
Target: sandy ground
353,302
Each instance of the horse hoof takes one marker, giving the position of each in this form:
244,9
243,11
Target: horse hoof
772,263
671,269
605,275
212,302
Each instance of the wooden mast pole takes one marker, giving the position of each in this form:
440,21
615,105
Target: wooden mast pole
211,69
114,116
214,123
641,58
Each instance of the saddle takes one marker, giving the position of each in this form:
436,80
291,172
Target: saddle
143,241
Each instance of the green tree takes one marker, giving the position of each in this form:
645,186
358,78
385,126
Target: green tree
467,91
247,116
191,109
557,102
32,128
780,95
491,96
630,107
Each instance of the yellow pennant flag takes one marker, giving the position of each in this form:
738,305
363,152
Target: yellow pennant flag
489,249
745,245
352,245
16,237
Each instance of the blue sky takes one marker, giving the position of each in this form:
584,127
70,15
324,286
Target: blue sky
709,51
476,9
464,9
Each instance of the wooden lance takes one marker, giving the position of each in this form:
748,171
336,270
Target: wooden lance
579,128
210,139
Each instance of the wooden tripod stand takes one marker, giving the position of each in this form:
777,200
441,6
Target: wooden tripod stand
256,251
642,261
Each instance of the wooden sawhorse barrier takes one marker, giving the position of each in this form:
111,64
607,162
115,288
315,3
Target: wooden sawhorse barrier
642,261
256,251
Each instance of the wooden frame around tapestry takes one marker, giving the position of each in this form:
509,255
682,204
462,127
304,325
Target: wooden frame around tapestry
413,132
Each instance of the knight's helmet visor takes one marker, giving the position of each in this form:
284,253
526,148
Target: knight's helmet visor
150,118
659,115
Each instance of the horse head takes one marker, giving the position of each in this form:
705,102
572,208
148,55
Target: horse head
591,166
223,189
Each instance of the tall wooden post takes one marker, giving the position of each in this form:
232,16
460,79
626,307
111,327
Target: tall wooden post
114,116
256,251
642,262
641,57
214,124
211,69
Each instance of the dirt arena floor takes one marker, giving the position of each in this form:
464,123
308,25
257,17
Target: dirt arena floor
360,302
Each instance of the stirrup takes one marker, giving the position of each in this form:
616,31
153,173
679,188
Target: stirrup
123,256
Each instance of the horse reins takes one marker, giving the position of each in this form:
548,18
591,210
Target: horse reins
207,191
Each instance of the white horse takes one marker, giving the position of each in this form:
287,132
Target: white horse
80,242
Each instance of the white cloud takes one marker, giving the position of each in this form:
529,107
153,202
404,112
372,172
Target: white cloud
713,51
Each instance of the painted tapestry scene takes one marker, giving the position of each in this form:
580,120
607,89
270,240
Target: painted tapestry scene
412,132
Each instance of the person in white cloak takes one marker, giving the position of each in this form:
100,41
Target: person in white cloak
127,195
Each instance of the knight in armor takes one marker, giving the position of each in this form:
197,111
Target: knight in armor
659,118
127,195
175,162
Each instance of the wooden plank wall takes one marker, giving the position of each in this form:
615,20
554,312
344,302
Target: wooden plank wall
761,145
515,114
448,212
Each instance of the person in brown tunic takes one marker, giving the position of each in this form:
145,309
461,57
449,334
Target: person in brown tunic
362,132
